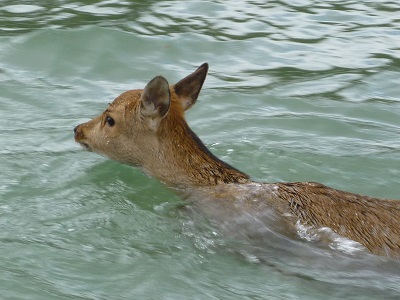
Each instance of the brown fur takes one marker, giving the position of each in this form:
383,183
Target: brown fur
147,129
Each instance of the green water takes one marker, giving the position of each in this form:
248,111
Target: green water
297,91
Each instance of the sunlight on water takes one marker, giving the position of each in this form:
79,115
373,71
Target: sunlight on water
297,91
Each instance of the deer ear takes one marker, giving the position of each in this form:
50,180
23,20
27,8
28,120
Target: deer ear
156,98
188,88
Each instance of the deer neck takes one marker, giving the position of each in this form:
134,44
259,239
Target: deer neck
185,161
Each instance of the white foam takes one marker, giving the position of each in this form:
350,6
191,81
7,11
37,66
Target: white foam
334,240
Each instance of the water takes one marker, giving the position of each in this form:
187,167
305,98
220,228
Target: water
297,91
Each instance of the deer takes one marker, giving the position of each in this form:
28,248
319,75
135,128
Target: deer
146,128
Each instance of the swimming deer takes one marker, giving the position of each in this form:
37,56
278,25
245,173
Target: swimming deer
146,128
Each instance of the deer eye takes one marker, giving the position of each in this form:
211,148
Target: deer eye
110,121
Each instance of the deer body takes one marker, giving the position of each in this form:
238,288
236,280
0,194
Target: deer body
147,129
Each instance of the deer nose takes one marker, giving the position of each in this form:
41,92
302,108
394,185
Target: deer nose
78,133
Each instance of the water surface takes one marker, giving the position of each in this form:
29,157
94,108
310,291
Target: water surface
297,91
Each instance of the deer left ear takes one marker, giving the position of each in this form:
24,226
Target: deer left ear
188,88
156,98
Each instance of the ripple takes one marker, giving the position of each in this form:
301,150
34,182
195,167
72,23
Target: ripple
22,9
100,10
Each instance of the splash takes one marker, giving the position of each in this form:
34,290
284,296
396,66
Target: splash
332,239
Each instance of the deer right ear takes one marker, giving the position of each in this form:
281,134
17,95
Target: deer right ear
188,88
156,98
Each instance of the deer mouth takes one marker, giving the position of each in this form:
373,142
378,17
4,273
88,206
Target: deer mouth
85,146
79,140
